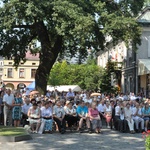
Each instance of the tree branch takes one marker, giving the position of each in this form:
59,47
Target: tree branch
24,26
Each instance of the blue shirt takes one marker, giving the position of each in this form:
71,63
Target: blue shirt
82,110
146,111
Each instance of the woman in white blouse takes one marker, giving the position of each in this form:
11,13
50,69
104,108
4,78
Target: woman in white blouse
108,113
71,116
47,120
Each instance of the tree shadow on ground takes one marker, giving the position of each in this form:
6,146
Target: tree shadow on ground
108,140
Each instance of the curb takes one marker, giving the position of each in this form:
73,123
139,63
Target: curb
15,138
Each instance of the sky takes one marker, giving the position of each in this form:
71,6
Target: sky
1,3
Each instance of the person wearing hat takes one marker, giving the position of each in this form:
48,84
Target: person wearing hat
95,118
71,116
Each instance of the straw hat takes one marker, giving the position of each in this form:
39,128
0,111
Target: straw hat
68,102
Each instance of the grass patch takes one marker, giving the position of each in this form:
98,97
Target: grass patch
12,131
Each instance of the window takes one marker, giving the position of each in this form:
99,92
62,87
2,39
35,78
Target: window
10,63
33,63
21,73
9,73
1,63
33,71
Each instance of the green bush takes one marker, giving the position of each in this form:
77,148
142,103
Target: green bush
146,135
147,142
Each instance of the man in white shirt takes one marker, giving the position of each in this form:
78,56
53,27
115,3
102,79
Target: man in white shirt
128,117
101,108
25,109
137,117
8,105
117,116
70,95
132,97
26,106
125,97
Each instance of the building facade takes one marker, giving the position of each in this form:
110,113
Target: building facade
23,75
143,54
135,68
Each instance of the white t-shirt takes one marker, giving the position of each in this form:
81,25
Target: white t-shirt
117,110
108,109
46,112
101,107
122,116
25,108
8,99
128,113
125,98
88,100
134,111
132,98
67,110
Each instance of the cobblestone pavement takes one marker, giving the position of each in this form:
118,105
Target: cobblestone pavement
109,140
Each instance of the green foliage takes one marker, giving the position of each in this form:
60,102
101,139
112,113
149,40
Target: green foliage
87,76
146,136
81,24
65,27
12,131
105,85
147,142
147,3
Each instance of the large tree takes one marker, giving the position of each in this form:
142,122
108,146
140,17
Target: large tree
64,26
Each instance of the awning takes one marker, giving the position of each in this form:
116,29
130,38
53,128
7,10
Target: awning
31,86
65,88
144,66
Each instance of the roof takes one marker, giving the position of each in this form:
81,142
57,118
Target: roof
65,88
144,17
30,56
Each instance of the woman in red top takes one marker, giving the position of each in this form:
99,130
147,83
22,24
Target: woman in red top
95,118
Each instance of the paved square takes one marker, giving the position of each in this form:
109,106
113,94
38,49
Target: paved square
109,140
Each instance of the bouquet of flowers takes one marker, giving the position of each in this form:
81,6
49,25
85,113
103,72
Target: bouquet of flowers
146,135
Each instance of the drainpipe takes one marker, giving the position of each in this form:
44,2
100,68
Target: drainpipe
135,74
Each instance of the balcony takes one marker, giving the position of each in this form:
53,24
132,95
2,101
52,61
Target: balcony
118,66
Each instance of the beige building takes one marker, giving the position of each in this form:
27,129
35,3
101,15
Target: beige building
23,75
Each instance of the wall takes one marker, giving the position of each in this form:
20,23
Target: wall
15,80
144,49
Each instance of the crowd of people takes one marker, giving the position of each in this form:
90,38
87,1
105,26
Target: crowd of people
74,111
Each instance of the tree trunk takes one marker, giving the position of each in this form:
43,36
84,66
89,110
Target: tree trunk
48,56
